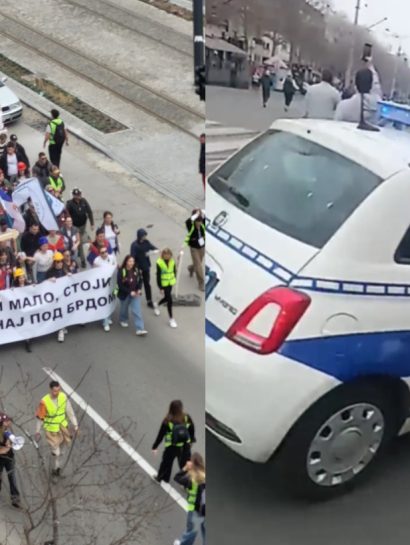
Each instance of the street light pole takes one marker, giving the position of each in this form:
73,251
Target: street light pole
350,62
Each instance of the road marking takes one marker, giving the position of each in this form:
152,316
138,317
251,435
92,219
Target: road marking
116,437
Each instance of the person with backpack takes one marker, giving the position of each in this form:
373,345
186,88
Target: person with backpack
192,478
178,432
56,135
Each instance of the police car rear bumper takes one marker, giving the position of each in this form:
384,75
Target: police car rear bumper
252,401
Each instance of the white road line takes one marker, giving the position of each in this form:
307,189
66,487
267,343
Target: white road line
116,437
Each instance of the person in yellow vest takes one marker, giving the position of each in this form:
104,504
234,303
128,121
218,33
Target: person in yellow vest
56,135
192,478
54,414
195,239
166,279
56,181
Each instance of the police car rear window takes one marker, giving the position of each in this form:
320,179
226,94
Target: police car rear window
295,186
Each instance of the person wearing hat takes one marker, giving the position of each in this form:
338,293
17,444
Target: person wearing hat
20,150
19,278
21,173
56,271
140,251
56,181
7,460
80,211
54,414
43,260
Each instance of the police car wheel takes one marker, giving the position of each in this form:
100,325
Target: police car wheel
337,442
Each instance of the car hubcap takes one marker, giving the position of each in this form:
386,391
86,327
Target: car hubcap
345,444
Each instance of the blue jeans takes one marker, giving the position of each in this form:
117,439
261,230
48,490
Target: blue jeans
135,304
41,276
194,524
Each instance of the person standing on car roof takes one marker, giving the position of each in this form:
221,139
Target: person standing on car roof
195,239
20,150
140,250
178,431
56,135
80,211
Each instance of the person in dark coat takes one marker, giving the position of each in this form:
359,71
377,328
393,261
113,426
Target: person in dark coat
288,91
140,249
266,85
42,168
20,149
202,157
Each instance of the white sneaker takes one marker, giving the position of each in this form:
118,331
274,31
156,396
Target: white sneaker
177,542
60,336
107,327
157,312
172,323
110,322
141,333
123,324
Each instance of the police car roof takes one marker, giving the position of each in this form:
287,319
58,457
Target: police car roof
385,152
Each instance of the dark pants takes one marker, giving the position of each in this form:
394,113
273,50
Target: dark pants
288,99
9,465
147,285
167,299
183,454
265,95
54,151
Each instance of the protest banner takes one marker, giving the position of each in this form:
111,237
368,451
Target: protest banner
34,311
43,204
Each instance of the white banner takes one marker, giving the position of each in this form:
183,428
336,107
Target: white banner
33,311
32,189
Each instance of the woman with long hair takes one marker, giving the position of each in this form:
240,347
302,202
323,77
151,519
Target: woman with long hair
192,478
129,283
111,231
166,279
178,432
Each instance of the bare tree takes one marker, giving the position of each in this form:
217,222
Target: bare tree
100,500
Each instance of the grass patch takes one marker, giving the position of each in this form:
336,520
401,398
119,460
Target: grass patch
170,8
96,119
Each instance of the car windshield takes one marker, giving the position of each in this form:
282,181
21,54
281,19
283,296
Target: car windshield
295,186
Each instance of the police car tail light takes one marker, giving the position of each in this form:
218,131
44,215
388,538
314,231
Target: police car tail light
289,306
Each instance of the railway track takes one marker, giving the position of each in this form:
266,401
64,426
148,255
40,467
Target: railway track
130,20
152,102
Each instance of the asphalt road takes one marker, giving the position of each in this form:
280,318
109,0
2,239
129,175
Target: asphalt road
143,374
243,108
245,508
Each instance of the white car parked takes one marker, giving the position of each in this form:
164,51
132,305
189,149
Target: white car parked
11,108
308,301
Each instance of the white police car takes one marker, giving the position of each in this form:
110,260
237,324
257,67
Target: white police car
308,300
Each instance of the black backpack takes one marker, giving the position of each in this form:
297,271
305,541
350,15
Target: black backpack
180,434
59,134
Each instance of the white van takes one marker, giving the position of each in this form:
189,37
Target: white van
308,300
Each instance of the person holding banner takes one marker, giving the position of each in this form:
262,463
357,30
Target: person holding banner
105,260
20,281
43,260
57,271
7,461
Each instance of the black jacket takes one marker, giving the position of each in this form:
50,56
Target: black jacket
139,250
80,211
165,428
22,152
196,235
42,172
55,273
128,283
29,243
3,161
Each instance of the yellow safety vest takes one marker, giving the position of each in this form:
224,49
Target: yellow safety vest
57,185
168,277
192,496
53,126
191,231
56,414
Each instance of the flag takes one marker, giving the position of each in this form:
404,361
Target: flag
14,217
32,189
56,205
